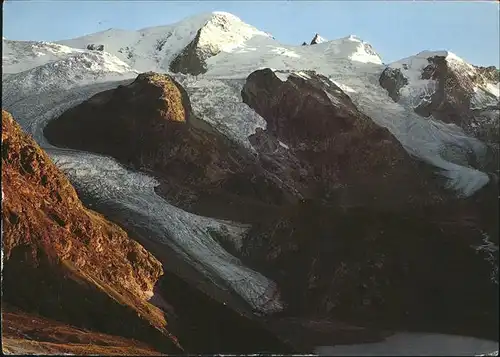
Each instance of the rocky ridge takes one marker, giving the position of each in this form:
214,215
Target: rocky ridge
329,148
317,39
27,333
450,89
74,263
150,125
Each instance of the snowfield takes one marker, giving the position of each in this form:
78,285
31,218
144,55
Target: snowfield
45,79
19,56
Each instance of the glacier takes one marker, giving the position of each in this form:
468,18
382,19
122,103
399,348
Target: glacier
42,80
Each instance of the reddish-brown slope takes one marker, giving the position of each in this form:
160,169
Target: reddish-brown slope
25,333
65,261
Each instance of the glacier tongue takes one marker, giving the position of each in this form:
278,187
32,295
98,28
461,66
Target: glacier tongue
109,183
132,196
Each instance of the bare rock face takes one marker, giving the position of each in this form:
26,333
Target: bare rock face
456,92
393,80
424,270
329,148
65,261
317,39
143,124
149,125
94,47
192,58
219,30
374,240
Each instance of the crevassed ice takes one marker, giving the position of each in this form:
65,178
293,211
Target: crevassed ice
422,137
108,183
188,234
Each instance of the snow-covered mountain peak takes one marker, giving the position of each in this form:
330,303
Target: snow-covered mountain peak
420,70
441,53
225,15
318,39
442,85
33,54
353,48
224,32
154,48
420,60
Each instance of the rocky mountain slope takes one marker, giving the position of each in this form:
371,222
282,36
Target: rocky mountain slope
340,154
309,181
27,333
74,264
79,264
150,125
443,85
322,149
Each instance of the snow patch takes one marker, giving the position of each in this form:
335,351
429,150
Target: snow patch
344,87
490,250
302,75
485,96
283,76
283,145
493,89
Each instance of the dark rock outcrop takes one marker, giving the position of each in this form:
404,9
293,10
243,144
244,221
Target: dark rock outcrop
94,47
451,101
455,98
333,152
375,241
421,270
149,125
317,39
64,261
192,58
393,80
490,73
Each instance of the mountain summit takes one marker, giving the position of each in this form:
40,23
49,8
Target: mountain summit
317,39
186,43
